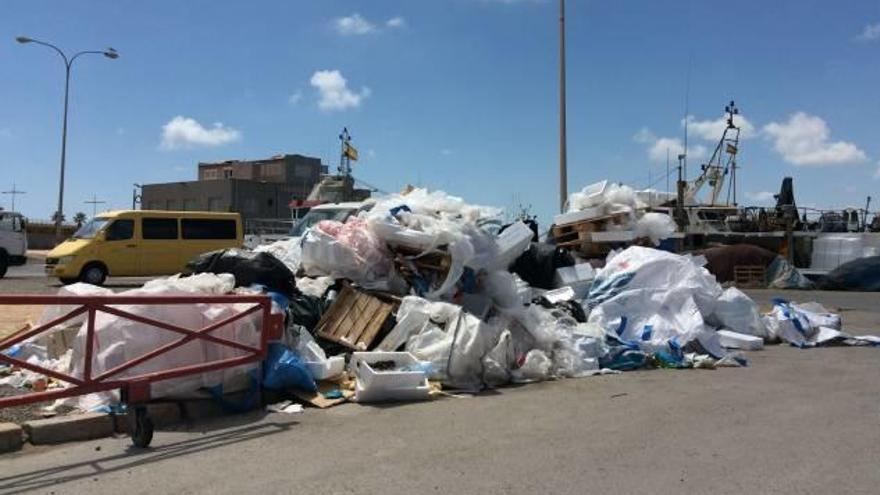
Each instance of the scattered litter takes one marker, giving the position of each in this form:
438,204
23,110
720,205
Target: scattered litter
286,407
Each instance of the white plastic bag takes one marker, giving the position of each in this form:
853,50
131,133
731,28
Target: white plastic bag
737,312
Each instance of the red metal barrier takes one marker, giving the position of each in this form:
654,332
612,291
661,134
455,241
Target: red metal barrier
135,389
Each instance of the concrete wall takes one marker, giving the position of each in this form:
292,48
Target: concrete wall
251,199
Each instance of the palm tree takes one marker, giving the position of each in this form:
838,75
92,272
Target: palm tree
79,219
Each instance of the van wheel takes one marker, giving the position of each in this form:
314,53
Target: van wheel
4,264
93,273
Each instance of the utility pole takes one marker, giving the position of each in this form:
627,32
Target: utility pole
95,202
563,158
14,192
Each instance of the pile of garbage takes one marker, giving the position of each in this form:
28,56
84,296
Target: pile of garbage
604,212
424,292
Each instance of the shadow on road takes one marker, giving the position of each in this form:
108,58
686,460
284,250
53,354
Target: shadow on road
135,457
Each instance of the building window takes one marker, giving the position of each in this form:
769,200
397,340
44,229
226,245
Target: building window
159,228
190,205
251,206
215,204
302,171
227,173
170,204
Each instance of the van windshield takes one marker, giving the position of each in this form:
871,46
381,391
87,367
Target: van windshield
90,228
315,216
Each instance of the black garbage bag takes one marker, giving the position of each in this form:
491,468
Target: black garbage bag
538,264
248,268
861,274
307,310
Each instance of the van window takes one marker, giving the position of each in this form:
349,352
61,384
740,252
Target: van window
120,230
208,229
90,228
159,228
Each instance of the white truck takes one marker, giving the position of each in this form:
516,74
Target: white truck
13,240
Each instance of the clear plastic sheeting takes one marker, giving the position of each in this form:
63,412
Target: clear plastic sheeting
288,251
119,340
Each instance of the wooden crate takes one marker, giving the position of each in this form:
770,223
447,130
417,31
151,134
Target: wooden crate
749,276
354,319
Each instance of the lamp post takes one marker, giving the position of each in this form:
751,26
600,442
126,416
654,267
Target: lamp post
68,63
563,153
135,197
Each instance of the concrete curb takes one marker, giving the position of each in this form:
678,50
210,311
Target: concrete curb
11,437
69,428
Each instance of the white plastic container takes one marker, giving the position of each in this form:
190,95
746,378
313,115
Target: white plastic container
393,385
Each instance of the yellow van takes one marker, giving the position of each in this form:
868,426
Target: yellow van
133,243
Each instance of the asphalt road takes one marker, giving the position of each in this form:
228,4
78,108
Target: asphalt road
794,421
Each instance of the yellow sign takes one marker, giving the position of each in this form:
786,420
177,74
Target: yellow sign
350,152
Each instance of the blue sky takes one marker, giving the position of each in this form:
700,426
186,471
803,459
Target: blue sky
458,95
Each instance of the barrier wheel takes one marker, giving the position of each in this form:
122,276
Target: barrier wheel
142,433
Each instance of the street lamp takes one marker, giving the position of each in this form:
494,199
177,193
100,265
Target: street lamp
68,62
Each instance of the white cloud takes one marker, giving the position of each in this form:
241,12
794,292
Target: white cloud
354,25
871,32
294,98
658,146
333,91
185,132
763,197
446,152
803,140
5,132
711,130
877,172
396,22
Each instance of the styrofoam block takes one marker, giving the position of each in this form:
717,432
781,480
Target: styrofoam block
330,368
570,275
736,340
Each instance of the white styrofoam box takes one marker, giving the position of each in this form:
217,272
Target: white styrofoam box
735,340
330,368
511,244
579,216
374,385
559,295
570,275
374,394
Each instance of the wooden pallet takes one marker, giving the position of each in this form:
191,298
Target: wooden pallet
354,319
578,235
750,276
